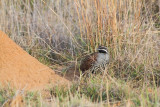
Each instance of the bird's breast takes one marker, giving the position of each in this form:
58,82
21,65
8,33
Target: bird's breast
102,58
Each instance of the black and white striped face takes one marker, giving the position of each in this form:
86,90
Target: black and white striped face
102,49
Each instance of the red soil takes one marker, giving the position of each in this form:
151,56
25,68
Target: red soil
18,69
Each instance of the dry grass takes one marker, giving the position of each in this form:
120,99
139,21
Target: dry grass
63,31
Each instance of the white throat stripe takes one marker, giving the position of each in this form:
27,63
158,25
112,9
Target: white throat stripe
103,50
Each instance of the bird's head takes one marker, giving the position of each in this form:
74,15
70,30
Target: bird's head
102,49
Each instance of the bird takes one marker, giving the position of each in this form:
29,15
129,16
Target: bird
95,61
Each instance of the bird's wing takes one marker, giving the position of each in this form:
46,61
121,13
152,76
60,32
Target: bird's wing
88,61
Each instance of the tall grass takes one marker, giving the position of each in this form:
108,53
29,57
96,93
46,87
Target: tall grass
63,31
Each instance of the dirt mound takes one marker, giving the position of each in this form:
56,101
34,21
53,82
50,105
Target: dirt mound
18,69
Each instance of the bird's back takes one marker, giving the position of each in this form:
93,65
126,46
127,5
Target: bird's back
88,61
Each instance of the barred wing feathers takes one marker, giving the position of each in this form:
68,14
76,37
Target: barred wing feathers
88,61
